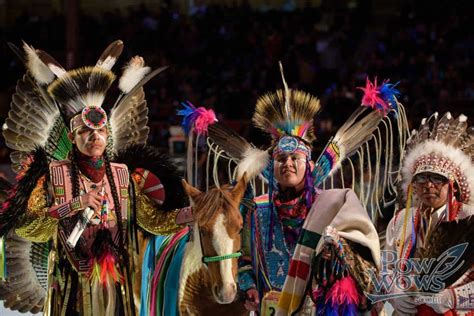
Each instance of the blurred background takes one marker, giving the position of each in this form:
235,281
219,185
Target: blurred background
224,54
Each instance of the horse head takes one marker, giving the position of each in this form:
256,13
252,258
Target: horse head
217,230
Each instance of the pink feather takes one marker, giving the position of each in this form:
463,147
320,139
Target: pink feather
372,97
344,292
317,292
204,119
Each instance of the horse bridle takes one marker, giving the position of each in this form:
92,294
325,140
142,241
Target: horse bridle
207,259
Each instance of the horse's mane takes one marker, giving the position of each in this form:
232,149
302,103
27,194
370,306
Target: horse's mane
213,200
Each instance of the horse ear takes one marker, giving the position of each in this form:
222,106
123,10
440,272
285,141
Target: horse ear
239,189
193,193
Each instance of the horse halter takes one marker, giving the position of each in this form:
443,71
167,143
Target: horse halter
206,259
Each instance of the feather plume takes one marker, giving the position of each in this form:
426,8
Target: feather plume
198,118
52,63
253,162
110,55
371,142
389,93
40,72
380,98
287,92
137,87
81,87
270,114
132,74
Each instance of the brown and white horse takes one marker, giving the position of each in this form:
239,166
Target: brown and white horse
208,283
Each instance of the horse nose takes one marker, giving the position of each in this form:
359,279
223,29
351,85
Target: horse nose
226,294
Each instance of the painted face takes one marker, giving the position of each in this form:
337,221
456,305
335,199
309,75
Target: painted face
90,142
289,170
431,189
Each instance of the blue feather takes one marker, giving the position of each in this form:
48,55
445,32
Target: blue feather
189,115
389,94
350,310
331,309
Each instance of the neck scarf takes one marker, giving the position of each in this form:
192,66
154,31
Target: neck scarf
292,214
91,167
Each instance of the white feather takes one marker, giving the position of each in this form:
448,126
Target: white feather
132,74
95,99
58,71
39,71
254,162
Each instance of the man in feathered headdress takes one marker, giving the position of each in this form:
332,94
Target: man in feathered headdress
437,223
71,198
283,249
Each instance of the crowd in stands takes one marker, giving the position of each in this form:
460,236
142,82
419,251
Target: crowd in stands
226,57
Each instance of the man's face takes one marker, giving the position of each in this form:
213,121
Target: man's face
289,170
90,142
431,189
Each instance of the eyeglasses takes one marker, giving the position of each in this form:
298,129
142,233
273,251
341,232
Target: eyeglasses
433,178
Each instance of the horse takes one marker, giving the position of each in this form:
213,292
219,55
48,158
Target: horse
206,283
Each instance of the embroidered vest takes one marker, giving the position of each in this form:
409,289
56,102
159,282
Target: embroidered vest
62,186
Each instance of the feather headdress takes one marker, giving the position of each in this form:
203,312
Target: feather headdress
286,112
445,146
51,100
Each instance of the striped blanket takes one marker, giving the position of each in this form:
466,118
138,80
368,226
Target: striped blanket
160,274
341,209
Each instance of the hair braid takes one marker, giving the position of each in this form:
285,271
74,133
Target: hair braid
76,185
118,212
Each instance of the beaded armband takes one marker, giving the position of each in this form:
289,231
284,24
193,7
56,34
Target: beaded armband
64,209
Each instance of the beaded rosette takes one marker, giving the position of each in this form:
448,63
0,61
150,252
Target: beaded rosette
94,117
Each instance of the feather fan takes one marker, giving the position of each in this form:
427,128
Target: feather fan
447,235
